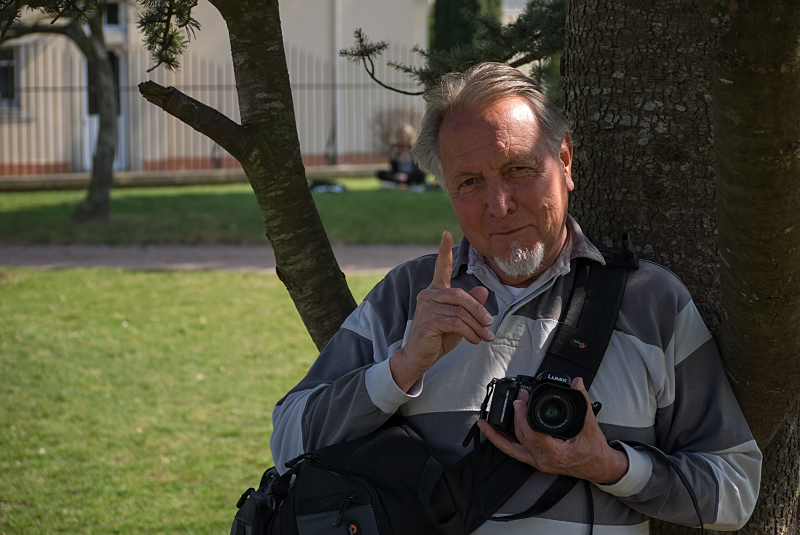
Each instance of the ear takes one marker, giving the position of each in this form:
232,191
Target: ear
565,155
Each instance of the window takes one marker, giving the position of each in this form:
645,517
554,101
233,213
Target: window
92,82
8,78
112,14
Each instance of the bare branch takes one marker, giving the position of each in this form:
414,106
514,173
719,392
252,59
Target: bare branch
364,51
230,135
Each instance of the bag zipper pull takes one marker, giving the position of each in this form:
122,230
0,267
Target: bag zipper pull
345,504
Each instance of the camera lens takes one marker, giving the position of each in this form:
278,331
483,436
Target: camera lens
553,411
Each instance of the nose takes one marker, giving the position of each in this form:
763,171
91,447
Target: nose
500,197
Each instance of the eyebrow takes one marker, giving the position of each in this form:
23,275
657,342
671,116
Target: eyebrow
528,160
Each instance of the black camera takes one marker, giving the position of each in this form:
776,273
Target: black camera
553,408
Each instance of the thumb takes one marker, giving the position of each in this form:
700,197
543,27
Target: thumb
577,384
480,294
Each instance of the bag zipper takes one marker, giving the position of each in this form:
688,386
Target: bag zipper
383,523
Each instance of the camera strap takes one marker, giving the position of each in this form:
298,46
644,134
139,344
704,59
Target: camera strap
587,322
577,349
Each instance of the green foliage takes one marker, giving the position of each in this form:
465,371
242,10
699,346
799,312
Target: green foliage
140,402
167,25
10,10
452,21
224,214
536,37
451,25
164,23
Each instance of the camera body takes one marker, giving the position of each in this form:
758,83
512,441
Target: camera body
553,407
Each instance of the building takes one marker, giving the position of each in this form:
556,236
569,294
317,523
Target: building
48,125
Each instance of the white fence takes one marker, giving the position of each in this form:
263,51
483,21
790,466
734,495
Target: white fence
342,116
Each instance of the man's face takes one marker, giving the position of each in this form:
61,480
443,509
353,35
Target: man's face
509,192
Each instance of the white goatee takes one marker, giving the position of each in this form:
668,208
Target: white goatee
521,262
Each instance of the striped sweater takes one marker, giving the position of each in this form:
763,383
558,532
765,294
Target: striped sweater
661,382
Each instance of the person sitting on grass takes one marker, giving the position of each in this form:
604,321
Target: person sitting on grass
405,172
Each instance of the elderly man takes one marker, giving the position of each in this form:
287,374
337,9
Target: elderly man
429,337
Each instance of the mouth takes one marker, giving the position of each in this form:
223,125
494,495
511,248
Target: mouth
509,233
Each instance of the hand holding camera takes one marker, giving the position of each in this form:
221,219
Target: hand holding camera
586,455
555,408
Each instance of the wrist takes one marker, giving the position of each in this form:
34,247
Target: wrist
616,467
404,374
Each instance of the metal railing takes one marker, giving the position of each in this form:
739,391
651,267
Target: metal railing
48,127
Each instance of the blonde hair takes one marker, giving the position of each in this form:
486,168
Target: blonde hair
408,130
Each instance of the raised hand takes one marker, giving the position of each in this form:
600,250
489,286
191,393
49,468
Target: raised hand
444,317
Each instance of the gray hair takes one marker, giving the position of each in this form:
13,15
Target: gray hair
482,84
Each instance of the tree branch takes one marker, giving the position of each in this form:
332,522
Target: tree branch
16,31
63,10
228,134
73,30
371,72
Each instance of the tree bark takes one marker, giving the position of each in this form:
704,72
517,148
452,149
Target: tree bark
273,164
756,83
638,88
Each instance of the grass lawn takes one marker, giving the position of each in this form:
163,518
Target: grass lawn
224,214
140,402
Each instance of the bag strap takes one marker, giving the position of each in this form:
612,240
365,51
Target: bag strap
577,349
587,322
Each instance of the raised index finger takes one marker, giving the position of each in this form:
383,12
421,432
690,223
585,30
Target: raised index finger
444,262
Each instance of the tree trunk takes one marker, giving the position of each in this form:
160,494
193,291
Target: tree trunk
756,83
273,164
96,204
638,89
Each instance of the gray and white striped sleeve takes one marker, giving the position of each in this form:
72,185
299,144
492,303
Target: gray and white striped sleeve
349,391
700,426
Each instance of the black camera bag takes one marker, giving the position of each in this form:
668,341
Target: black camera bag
389,483
385,483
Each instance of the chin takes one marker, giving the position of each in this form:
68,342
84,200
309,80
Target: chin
521,263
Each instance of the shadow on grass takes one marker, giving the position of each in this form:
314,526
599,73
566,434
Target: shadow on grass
221,214
137,216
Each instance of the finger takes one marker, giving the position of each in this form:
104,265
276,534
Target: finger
577,384
444,263
477,324
521,427
466,328
459,298
514,450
